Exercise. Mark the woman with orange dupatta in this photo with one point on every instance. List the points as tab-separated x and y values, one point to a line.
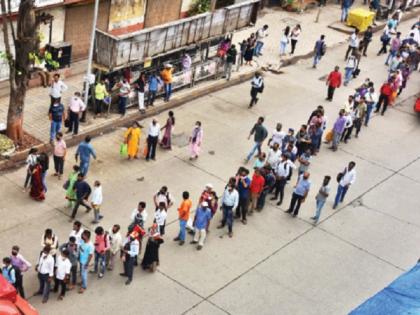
37	189
132	139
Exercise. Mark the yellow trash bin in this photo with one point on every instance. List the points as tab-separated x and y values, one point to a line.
360	18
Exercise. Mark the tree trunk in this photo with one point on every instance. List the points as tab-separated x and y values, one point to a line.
26	42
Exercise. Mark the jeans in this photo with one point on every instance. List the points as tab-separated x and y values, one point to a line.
319	205
129	266
358	125
74	122
317	59
168	91
344	14
228	217
261	199
295	204
151	147
391	55
283	47
58	164
369	108
122	105
257	146
339	197
258	46
55	127
254	94
60	283
84	167
182	227
99	106
73	274
84	275
99	260
44	285
200	236
228	70
347	74
336	139
316	139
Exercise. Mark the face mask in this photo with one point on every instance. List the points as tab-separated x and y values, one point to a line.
14	253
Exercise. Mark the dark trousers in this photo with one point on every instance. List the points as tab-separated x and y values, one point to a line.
358	125
349	50
227	217
242	208
44	285
280	184
60	284
383	99
293	43
73	274
19	285
76	207
129	266
254	99
122	105
151	98
347	134
58	164
261	199
99	105
27	178
383	48
151	147
330	93
363	47
74	122
295	204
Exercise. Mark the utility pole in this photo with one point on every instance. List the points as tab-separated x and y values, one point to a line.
90	57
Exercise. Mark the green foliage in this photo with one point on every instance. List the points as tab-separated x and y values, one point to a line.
6	144
199	6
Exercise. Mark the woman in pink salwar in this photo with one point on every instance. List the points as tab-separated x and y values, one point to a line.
195	141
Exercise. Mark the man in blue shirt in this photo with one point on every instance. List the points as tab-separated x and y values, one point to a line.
82	190
153	87
319	50
242	183
57	116
299	193
84	151
86	250
201	220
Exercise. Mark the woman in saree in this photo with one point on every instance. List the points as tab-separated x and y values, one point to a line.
165	143
132	139
195	140
37	188
68	186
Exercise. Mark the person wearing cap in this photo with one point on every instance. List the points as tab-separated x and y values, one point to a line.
166	75
201	220
130	252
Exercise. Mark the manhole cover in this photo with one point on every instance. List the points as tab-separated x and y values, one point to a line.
180	140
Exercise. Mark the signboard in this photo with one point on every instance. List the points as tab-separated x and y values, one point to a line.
14	4
181	79
205	70
125	13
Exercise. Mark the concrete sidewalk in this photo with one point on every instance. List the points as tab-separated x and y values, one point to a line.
37	101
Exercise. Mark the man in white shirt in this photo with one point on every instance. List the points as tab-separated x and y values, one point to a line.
353	43
371	100
152	139
282	172
76	108
257	86
273	157
230	201
116	245
45	269
160	217
346	178
57	88
62	273
278	136
261	34
77	231
131	251
139	215
123	93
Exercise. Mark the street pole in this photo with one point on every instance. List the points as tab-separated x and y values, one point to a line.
90	57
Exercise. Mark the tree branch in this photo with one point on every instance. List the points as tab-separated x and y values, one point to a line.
9	17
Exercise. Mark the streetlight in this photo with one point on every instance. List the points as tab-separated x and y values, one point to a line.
88	79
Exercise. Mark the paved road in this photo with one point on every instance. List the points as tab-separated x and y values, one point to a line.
275	264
